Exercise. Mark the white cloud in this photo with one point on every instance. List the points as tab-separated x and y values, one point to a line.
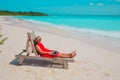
91	4
100	4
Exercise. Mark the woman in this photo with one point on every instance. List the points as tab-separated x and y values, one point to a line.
44	52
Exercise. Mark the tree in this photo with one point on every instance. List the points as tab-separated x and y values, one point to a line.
5	12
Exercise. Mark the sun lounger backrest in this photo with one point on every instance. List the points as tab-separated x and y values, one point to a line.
33	35
33	38
32	43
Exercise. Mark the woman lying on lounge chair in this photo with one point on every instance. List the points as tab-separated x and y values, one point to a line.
44	52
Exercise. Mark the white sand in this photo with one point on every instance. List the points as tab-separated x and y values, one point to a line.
91	63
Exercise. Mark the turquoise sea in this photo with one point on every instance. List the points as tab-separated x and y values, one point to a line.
108	26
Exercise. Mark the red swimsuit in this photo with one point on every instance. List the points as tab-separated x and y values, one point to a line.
46	50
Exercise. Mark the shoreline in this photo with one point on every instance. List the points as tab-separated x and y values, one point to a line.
91	62
109	33
105	42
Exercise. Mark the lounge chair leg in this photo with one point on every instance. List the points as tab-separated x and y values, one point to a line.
65	65
21	61
52	62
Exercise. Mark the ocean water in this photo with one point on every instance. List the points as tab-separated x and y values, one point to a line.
107	26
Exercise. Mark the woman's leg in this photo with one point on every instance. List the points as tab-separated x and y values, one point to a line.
70	55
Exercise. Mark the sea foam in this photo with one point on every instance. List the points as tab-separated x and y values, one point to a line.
104	33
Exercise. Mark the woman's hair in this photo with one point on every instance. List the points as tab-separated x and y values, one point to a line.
35	42
36	39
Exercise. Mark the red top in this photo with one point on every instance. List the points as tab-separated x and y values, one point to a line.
45	50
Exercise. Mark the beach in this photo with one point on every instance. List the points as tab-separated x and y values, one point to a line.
94	61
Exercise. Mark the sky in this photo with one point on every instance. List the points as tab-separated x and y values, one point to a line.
64	7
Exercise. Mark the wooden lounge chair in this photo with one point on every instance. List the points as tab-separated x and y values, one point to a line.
30	48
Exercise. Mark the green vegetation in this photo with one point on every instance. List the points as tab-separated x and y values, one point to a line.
11	13
3	39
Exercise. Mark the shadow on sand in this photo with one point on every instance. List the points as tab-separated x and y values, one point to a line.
36	63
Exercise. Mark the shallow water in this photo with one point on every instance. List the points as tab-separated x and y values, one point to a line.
107	26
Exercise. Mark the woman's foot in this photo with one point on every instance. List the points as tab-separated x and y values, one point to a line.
74	51
73	54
